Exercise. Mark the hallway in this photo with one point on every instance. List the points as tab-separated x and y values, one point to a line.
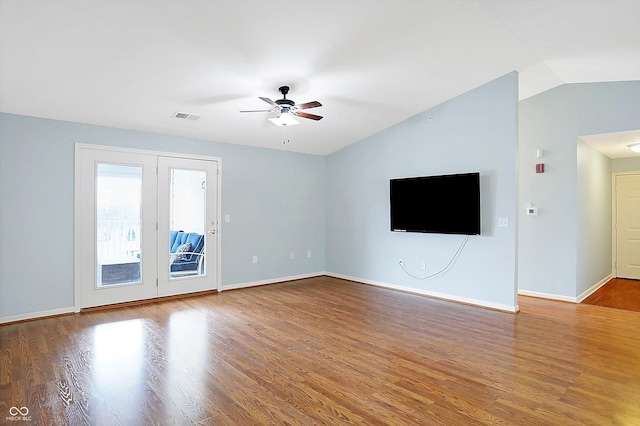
618	293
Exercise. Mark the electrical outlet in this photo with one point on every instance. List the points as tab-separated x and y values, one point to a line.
255	259
309	253
423	265
293	255
401	262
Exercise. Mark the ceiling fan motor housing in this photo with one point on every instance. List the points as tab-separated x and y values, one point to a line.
284	101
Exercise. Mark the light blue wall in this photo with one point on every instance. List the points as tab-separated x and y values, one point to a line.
275	200
553	121
594	218
282	202
476	131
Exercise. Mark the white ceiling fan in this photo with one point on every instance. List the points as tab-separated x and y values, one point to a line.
286	109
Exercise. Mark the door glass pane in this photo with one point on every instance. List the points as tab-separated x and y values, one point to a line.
187	196
118	201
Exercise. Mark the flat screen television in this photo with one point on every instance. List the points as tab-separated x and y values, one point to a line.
444	204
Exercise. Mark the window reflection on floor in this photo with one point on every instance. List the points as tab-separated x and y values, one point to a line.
187	350
118	355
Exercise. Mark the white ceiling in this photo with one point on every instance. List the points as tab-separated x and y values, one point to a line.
614	145
371	63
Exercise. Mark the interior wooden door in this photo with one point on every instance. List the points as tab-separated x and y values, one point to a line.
628	226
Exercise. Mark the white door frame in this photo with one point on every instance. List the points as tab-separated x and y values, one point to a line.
79	148
614	219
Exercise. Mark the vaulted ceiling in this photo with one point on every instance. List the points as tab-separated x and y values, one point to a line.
371	63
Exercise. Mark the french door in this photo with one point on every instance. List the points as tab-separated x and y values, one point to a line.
188	217
146	225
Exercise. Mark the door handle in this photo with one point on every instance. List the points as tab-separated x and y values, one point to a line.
213	231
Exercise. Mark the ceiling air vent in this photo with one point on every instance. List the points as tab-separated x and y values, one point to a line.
186	116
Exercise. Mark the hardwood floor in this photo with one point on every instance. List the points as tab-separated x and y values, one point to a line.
618	293
325	351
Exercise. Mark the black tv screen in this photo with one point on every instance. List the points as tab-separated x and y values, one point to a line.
445	204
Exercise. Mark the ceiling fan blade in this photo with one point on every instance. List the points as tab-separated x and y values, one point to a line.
260	110
306	115
269	101
308	105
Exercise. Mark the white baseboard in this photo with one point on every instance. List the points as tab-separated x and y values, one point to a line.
594	288
441	296
550	296
563	298
35	315
271	281
62	311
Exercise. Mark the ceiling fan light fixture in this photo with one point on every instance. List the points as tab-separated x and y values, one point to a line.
284	119
287	108
635	147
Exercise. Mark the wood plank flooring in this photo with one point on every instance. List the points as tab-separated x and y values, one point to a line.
619	293
324	351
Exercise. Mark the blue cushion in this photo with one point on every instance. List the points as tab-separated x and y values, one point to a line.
180	239
188	262
172	237
184	266
179	255
197	244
